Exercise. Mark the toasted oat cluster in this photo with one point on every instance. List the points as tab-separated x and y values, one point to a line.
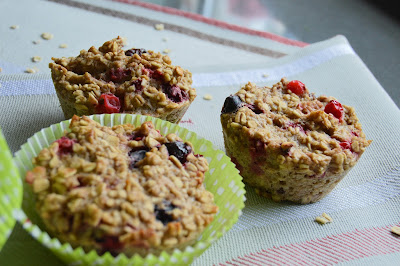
112	80
122	189
288	143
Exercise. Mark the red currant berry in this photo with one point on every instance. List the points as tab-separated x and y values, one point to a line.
65	145
109	242
297	87
335	108
108	104
120	75
345	145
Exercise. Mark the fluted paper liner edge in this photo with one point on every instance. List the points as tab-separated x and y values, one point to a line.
10	191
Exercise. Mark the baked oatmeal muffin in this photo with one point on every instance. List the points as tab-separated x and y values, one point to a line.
288	143
121	189
113	80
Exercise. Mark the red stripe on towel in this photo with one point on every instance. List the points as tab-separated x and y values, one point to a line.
328	250
214	22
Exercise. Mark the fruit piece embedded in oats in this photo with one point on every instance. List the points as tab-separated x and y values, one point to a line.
288	143
108	104
179	149
121	189
297	87
335	108
231	104
113	80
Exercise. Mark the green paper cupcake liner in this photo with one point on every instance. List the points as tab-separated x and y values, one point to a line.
10	191
223	180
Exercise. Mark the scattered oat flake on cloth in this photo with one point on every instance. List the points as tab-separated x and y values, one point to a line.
166	51
395	230
36	42
165	39
47	36
31	70
63	45
14	27
159	26
265	75
323	219
207	97
36	58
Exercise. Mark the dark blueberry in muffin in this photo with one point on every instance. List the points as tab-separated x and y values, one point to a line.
255	109
136	155
231	104
163	213
175	94
132	51
179	149
136	135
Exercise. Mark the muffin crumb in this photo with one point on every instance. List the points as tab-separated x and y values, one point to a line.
14	27
326	216
395	230
323	219
31	70
47	36
159	26
63	45
36	58
207	97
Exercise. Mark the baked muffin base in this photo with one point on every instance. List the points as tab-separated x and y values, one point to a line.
283	182
70	110
291	145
